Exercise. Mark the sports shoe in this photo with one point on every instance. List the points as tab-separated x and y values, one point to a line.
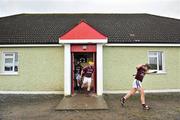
145	107
122	101
88	94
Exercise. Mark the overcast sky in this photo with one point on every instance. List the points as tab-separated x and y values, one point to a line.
170	8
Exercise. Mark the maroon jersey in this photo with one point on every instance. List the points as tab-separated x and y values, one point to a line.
140	74
88	71
78	69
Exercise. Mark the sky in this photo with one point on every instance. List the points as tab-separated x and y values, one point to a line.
168	8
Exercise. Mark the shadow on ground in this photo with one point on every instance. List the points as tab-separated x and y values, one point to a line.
165	106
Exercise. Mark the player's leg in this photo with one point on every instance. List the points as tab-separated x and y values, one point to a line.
82	86
135	86
129	94
141	91
88	83
89	86
84	82
77	78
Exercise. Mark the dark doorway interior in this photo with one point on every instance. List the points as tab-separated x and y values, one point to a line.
79	61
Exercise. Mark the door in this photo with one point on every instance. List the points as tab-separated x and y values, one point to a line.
82	59
82	53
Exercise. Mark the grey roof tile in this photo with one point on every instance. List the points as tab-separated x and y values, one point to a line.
119	28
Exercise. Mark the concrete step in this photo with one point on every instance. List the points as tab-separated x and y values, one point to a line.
82	102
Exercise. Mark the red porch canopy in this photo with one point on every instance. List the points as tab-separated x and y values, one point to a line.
83	33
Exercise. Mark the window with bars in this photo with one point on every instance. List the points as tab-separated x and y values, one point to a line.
10	62
156	60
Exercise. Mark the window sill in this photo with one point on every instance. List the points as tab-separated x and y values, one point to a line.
9	74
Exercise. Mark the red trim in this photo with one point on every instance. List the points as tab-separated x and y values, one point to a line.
83	48
72	75
94	77
83	31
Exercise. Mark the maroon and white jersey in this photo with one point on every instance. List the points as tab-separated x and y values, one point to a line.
140	74
88	71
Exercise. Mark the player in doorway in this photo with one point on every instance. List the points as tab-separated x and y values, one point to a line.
87	72
141	71
78	69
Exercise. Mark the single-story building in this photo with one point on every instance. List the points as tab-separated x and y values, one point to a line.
38	51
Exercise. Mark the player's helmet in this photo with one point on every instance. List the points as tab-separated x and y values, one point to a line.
91	63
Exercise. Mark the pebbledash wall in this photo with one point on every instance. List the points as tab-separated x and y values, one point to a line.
120	63
40	69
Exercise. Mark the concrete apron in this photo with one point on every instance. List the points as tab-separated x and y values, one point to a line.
82	102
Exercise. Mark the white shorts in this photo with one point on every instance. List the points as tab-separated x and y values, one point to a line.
137	84
87	80
78	77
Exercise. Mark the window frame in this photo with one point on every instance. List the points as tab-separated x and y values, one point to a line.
13	72
163	60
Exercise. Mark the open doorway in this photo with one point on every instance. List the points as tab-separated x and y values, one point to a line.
79	61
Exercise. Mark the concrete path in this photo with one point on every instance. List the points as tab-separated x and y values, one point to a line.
82	102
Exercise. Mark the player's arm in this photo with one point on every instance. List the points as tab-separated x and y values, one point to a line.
92	76
149	72
82	71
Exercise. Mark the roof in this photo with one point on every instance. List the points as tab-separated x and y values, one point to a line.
119	28
83	33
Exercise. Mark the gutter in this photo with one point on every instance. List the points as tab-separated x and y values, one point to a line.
31	45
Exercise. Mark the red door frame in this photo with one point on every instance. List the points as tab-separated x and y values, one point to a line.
91	48
94	83
72	73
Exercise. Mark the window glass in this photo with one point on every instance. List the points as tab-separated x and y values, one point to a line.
8	68
152	53
10	62
156	60
8	54
153	63
160	60
16	62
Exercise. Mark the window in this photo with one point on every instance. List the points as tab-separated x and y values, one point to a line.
156	60
10	62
